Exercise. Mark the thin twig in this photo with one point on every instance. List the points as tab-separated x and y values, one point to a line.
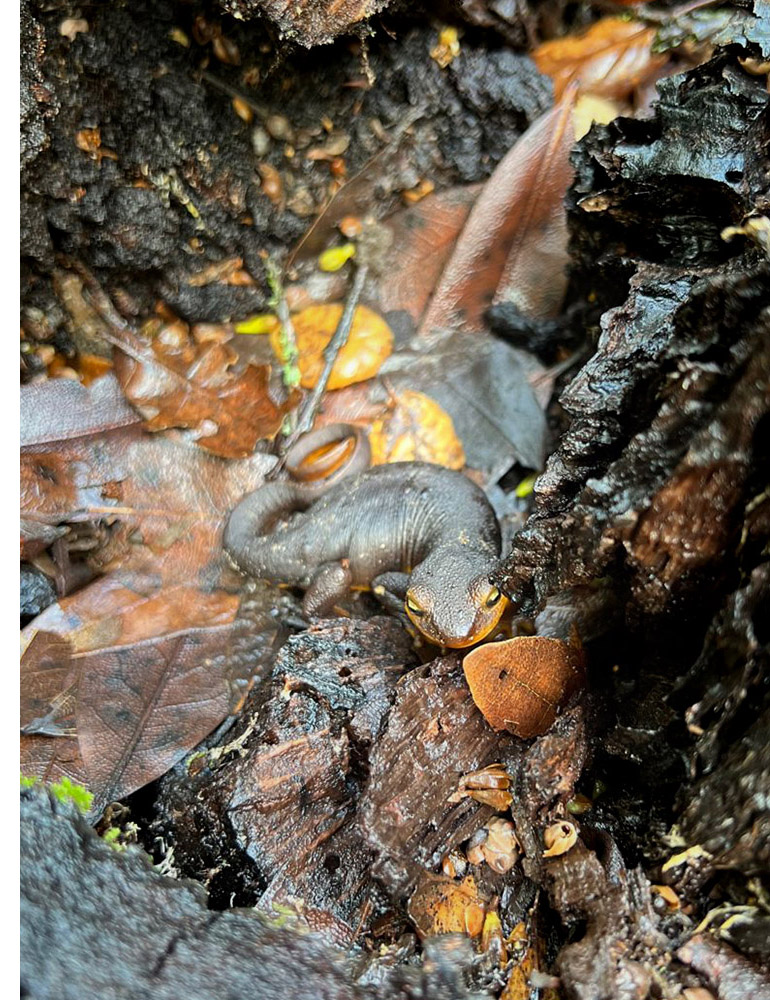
289	351
259	109
310	406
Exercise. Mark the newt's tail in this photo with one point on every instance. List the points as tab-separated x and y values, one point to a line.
248	538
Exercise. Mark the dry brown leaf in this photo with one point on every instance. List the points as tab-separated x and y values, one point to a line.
119	682
416	429
611	59
175	382
520	684
368	345
165	499
513	246
423	238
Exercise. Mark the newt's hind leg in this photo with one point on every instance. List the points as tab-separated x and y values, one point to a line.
330	584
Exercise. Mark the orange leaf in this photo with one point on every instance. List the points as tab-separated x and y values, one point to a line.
417	429
520	684
514	244
612	58
369	344
440	905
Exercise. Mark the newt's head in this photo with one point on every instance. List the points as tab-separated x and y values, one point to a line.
451	599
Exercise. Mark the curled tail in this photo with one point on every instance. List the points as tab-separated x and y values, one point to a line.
248	539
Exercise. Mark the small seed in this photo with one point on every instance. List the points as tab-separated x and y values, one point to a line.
279	128
242	109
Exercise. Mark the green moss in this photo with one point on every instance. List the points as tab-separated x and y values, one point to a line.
112	836
65	791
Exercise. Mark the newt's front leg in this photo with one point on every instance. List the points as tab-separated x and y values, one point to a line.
390	590
330	585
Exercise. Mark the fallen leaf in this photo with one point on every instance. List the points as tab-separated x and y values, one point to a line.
111	613
485	387
62	410
520	684
174	382
611	59
484	384
439	905
139	709
142	707
117	683
514	244
423	238
416	429
368	345
163	498
48	694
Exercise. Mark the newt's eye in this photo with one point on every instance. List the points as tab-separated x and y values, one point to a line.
492	597
413	608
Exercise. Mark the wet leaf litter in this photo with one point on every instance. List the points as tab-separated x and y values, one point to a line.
553	228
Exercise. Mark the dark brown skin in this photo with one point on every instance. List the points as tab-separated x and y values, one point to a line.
424	538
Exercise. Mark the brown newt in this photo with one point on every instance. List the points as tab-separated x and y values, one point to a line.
424	538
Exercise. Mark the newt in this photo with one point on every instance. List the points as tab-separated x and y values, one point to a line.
423	538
